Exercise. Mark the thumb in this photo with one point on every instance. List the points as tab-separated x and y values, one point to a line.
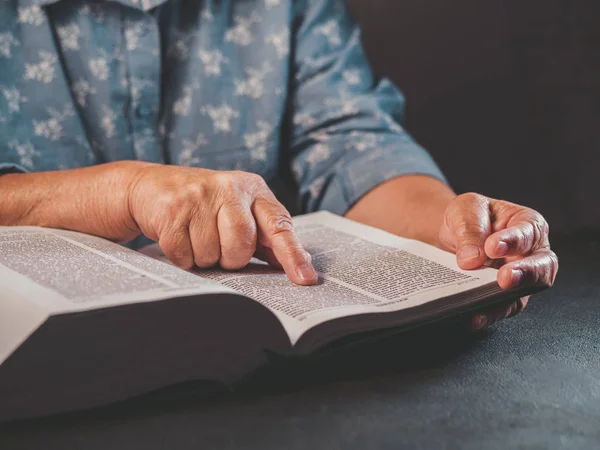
468	222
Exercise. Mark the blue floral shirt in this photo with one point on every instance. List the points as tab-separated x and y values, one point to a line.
277	87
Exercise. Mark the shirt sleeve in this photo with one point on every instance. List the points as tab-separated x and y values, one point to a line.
346	137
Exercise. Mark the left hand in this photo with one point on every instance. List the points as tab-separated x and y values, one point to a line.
514	238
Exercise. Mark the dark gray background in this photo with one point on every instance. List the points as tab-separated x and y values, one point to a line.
504	93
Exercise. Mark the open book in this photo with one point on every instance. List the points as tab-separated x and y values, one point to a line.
86	322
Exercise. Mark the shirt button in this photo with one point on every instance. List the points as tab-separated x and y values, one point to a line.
143	111
143	30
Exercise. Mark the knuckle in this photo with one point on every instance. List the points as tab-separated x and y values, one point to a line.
540	231
175	201
226	181
553	268
192	191
168	200
471	197
256	179
545	270
278	223
544	225
300	256
471	200
525	237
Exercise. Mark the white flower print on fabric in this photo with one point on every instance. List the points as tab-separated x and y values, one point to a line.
69	36
7	42
297	169
14	98
207	15
212	61
137	86
272	3
240	33
188	156
133	32
331	31
32	15
343	106
318	154
99	67
254	85
44	71
394	126
26	152
221	116
182	106
281	41
181	48
304	120
108	122
257	142
352	76
81	90
143	142
52	128
131	38
320	136
361	142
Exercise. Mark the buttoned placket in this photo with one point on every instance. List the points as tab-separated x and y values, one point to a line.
144	64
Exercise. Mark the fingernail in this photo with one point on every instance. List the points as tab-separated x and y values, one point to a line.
502	248
469	252
516	277
306	272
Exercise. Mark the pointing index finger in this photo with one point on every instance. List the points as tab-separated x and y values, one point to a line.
276	231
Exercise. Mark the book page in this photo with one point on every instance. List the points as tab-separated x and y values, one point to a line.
63	271
361	270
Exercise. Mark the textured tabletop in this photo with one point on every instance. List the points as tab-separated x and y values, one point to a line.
529	382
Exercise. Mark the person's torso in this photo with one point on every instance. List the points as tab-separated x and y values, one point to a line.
200	83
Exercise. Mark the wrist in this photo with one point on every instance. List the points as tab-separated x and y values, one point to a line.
92	200
111	199
411	206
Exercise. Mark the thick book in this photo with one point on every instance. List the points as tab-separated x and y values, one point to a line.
86	322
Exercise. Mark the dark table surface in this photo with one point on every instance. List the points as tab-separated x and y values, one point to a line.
529	382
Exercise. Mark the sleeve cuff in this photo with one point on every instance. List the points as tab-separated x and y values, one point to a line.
363	174
6	168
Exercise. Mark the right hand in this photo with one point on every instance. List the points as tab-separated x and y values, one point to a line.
204	218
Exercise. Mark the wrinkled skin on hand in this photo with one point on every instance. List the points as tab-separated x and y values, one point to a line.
514	239
204	218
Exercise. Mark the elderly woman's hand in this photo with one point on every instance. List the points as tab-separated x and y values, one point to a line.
204	217
481	230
